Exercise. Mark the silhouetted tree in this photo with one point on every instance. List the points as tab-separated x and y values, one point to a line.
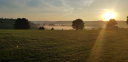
41	28
127	20
78	24
21	24
52	28
111	22
7	23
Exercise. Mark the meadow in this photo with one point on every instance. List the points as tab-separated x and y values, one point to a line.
63	46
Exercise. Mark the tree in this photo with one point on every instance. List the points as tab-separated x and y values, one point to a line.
44	24
111	22
78	24
7	23
127	20
52	28
41	28
21	24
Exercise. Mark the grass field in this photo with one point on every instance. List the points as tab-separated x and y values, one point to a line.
63	46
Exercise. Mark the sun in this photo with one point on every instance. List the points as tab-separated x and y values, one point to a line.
109	15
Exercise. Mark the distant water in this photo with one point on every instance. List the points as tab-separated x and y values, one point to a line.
88	24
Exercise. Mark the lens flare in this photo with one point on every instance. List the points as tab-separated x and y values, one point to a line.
109	16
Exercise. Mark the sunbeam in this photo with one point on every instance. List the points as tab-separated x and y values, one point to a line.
97	48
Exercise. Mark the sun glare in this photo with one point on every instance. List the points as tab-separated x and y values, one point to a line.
109	16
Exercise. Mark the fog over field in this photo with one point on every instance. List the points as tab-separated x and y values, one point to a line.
66	25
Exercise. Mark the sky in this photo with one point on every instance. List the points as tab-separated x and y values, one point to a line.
63	10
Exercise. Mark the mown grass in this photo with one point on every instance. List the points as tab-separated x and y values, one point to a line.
115	48
46	46
62	46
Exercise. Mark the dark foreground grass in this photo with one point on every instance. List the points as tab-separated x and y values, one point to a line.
46	46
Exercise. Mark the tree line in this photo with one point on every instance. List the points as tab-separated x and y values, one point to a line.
7	23
78	24
23	23
15	23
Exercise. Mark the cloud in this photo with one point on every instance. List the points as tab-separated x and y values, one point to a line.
18	3
68	6
88	2
63	7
